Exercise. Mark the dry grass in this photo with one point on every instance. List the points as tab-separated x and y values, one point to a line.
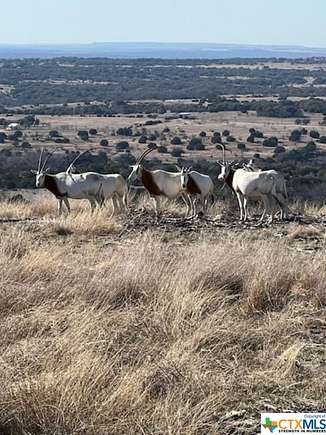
147	336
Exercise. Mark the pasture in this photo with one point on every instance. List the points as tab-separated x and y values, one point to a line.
127	325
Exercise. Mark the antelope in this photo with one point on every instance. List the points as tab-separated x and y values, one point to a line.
199	185
89	185
158	183
250	185
280	184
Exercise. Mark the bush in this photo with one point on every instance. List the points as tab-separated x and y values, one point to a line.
83	135
162	149
195	144
216	138
177	152
311	146
230	139
295	136
322	139
226	133
314	134
54	133
104	143
93	131
3	137
202	134
251	138
121	146
26	145
279	149
142	139
241	146
176	141
271	142
152	146
124	131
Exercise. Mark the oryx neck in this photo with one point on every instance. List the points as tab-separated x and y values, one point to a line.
51	184
229	178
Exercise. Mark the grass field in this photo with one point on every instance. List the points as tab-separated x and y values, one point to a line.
108	329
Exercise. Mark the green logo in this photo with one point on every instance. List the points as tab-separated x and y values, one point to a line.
269	424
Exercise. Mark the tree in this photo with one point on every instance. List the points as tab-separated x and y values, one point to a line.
26	145
251	138
230	139
252	130
241	146
152	146
104	143
124	131
226	133
202	134
216	138
93	131
162	149
295	136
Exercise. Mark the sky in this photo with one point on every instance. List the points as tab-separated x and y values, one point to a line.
276	22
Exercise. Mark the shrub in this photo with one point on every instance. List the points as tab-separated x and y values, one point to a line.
124	131
241	146
83	135
271	142
93	131
104	143
202	134
311	146
142	139
226	133
121	146
152	146
195	144
26	145
314	134
177	152
162	149
295	136
230	139
54	133
176	141
3	137
322	139
279	149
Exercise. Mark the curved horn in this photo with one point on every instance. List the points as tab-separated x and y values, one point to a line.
40	160
143	155
223	148
46	160
76	158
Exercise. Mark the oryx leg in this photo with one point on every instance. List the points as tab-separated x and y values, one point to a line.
125	201
240	202
157	205
188	201
60	200
92	202
65	200
266	202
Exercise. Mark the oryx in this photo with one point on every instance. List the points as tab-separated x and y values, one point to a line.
250	185
159	183
199	186
89	185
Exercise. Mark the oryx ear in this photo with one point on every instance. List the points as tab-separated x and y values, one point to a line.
33	171
46	170
218	162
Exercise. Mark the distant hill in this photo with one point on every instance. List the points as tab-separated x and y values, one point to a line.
159	50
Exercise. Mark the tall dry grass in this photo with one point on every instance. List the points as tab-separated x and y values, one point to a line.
149	337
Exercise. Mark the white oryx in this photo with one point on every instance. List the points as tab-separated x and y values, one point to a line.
94	187
159	183
280	185
199	187
250	185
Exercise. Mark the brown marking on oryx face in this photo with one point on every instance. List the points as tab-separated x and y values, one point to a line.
51	184
149	183
192	186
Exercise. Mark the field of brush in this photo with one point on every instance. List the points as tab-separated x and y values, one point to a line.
125	325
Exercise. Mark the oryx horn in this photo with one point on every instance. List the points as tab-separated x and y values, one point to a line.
223	148
143	155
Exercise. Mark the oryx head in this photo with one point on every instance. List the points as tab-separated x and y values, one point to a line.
41	170
225	166
137	167
185	177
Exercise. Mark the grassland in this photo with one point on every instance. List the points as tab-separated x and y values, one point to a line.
111	330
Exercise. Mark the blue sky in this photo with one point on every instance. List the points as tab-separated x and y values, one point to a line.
289	22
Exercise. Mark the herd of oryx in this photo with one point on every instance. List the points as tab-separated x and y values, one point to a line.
196	189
